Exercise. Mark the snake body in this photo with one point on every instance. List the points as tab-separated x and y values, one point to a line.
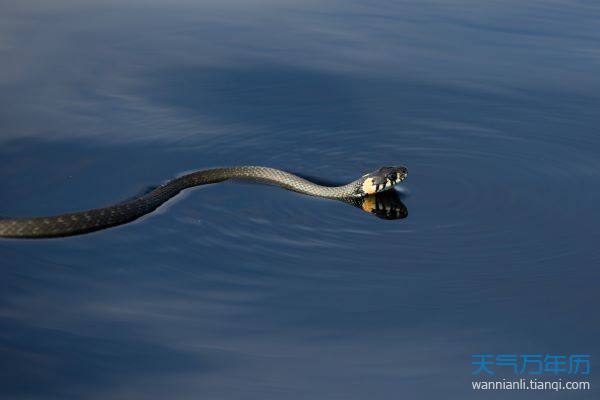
100	218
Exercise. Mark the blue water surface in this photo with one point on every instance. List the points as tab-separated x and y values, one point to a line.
243	291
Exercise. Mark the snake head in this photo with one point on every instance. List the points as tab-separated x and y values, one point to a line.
381	180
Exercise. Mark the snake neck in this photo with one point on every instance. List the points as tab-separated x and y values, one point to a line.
270	176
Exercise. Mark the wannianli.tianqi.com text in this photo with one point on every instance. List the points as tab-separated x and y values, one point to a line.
530	384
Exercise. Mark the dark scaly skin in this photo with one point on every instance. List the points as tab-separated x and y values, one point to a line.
100	218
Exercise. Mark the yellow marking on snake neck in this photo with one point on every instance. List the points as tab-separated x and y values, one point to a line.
368	187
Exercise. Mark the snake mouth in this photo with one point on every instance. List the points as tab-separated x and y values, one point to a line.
401	174
400	178
396	177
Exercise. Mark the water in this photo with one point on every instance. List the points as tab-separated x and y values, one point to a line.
245	291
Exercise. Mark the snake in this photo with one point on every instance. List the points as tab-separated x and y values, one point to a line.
77	223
